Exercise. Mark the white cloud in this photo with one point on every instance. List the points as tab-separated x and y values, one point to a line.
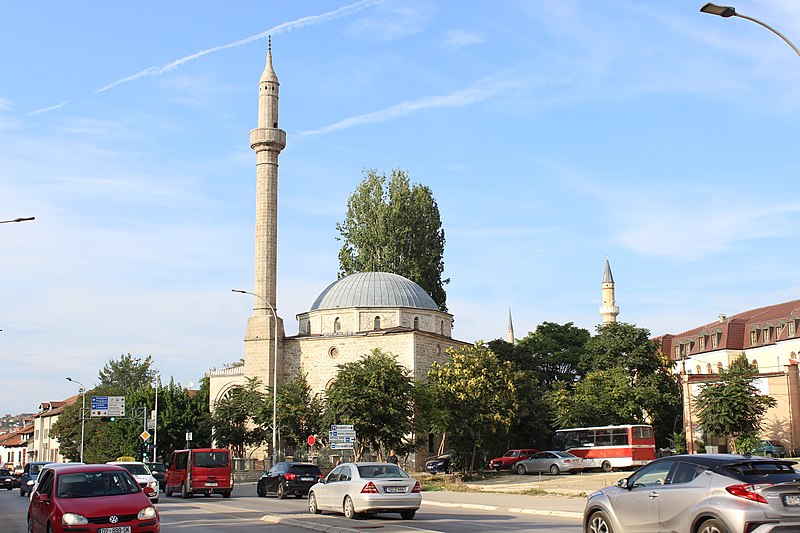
461	38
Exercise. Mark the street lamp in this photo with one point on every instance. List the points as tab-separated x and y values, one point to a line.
729	11
274	377
155	418
83	408
24	219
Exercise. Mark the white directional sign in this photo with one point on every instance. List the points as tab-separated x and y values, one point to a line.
342	427
343	439
345	433
116	406
341	445
99	406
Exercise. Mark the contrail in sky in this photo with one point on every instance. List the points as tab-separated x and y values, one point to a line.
50	108
280	28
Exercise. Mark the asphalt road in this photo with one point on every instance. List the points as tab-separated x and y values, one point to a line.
245	513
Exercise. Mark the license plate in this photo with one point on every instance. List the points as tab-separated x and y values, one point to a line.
395	489
306	479
211	484
791	500
118	529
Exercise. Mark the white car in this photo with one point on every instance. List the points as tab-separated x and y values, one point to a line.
141	474
355	488
42	469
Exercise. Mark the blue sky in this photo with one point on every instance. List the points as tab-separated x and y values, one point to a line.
552	134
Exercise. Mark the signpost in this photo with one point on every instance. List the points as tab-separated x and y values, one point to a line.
99	406
342	437
103	406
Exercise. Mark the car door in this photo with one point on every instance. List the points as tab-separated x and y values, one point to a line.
42	506
537	462
637	507
324	493
688	483
341	487
271	484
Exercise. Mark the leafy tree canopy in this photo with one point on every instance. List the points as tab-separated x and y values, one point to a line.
300	413
393	226
128	373
235	417
554	352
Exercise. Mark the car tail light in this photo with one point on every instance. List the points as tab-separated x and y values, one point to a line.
567	461
289	476
369	488
416	488
748	491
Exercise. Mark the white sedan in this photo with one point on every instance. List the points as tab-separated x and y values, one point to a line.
355	488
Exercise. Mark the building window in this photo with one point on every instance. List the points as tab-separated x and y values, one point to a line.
715	340
698	370
702	342
677	352
377	323
308	328
416	322
753	337
337	325
755	364
779	332
333	352
791	328
441	327
708	369
766	335
719	366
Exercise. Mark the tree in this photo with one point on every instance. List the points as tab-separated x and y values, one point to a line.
731	406
375	395
128	373
392	226
476	395
299	412
554	352
235	417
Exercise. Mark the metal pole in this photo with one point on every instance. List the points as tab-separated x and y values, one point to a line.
83	412
730	11
155	419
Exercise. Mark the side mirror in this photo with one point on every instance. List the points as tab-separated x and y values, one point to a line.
623	483
39	497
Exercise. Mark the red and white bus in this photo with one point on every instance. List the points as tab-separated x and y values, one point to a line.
609	447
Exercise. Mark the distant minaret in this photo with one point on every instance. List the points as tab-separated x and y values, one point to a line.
608	310
267	140
510	336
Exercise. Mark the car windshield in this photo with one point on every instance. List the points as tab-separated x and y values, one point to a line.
4	472
305	470
210	459
381	471
564	455
762	471
156	467
511	453
35	468
136	469
95	484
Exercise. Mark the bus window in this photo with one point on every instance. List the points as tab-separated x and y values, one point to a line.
619	437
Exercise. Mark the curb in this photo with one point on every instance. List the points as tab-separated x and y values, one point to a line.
562	514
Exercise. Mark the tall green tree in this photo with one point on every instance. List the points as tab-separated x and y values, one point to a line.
554	352
235	418
477	396
128	373
300	413
375	394
731	405
394	226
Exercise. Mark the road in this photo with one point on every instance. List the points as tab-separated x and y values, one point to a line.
246	513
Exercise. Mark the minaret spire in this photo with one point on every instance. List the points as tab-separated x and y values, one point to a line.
510	337
608	309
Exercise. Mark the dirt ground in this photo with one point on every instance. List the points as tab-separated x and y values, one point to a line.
566	484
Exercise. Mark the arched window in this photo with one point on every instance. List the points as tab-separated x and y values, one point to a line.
337	325
708	369
416	322
377	323
441	327
697	370
755	364
719	366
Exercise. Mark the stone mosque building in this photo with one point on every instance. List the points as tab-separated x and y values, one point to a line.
350	318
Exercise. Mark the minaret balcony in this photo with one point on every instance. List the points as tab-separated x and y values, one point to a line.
268	136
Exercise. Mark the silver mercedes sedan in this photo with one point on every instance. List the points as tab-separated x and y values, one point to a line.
554	462
700	494
355	488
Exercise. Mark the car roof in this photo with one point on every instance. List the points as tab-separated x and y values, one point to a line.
720	459
73	467
49	466
372	463
124	463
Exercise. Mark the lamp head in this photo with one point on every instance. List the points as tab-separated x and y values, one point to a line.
721	11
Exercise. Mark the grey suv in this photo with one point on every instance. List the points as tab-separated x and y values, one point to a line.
700	494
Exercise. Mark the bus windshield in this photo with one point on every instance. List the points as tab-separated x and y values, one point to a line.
210	459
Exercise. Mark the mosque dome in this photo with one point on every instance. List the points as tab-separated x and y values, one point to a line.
374	289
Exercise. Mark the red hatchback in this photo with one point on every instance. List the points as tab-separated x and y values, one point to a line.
510	458
92	498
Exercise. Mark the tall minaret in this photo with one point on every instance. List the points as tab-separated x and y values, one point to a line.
608	310
510	336
267	140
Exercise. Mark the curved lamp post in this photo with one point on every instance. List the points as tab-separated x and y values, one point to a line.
24	219
274	376
83	408
729	11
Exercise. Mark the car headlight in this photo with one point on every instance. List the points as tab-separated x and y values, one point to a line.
147	513
30	482
72	519
153	485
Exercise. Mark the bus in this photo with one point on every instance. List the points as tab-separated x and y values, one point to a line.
609	447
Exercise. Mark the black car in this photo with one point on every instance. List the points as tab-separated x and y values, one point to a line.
159	472
288	478
440	464
6	479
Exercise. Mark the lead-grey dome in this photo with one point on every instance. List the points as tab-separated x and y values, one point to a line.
374	289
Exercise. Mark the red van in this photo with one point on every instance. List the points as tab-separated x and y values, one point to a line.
200	471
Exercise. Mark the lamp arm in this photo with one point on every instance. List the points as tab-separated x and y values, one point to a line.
770	28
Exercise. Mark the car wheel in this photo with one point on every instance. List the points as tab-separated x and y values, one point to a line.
21	492
408	514
30	525
168	491
598	523
712	526
349	508
154	501
49	528
769	454
521	470
312	504
184	492
260	491
554	470
226	494
606	466
281	491
207	494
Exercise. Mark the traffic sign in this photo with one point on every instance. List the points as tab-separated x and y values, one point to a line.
311	440
342	439
144	435
116	405
341	445
342	427
99	406
343	433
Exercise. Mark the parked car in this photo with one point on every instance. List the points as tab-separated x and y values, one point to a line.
159	472
91	498
355	488
141	474
550	461
6	479
510	458
700	493
287	478
771	448
43	469
29	475
440	464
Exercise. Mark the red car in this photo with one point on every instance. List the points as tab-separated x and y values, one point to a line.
510	458
91	498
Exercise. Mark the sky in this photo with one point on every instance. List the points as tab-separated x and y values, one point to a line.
553	135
